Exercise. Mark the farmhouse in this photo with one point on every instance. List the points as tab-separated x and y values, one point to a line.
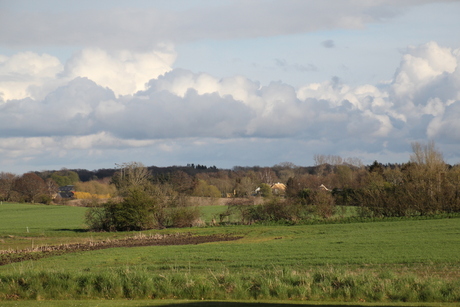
67	191
278	188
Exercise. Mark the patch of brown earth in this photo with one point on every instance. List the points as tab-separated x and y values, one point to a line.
11	256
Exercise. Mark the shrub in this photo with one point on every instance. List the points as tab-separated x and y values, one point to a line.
135	212
272	210
202	189
242	208
266	190
97	219
324	202
183	216
141	210
45	199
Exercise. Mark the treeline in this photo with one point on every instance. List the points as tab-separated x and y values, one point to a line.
85	175
191	180
27	188
43	187
424	185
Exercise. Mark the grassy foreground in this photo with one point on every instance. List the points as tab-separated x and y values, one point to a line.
399	261
189	303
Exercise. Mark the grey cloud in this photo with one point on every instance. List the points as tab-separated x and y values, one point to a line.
446	127
283	64
181	107
165	115
66	111
328	43
305	68
83	108
146	28
444	87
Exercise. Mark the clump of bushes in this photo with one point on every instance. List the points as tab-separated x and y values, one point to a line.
142	205
140	210
277	209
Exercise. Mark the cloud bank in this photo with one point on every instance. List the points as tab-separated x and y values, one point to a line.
113	106
143	28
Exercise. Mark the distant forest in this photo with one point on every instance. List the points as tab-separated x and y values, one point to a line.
424	185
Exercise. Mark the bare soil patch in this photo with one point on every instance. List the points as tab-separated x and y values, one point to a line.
11	256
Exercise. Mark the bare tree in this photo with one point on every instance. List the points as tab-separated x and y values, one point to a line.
426	176
132	174
51	187
182	182
354	161
6	185
427	155
245	186
30	186
267	175
320	159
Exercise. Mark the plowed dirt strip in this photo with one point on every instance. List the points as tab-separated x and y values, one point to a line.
10	256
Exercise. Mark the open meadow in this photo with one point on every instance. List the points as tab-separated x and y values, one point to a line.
383	262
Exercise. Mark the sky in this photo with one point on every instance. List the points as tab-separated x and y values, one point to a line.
91	84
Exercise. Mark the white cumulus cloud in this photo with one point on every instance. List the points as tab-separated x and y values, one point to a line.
125	72
180	111
21	73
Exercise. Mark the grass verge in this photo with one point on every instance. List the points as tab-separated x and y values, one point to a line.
323	284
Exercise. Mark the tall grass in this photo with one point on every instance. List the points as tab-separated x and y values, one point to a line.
323	284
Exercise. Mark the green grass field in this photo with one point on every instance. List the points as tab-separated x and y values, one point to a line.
408	243
212	212
39	219
269	262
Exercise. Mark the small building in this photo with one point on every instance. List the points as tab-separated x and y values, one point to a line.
67	191
278	188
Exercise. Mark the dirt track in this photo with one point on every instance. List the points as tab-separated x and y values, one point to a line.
7	257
